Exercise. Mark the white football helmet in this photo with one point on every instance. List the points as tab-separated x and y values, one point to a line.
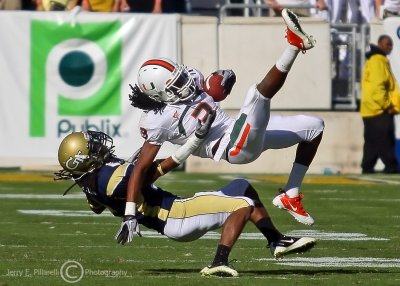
163	80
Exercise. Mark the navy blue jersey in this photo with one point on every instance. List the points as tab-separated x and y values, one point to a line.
108	186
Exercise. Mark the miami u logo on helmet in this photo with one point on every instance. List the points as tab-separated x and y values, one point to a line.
152	87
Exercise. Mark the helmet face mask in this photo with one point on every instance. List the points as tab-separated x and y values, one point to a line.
100	144
83	152
182	84
165	81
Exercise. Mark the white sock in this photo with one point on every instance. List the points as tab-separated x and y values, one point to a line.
295	180
287	58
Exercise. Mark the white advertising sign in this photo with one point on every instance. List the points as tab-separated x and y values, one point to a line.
62	73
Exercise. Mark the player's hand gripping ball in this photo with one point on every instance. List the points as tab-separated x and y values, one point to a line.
219	84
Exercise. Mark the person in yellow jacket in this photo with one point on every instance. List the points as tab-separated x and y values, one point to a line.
380	96
101	5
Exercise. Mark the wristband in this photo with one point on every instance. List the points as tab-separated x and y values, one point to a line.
130	208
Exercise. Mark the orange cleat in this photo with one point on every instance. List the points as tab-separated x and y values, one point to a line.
293	206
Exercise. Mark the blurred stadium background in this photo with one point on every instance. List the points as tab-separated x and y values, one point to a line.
66	71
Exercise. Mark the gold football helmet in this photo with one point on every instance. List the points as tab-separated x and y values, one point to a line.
83	152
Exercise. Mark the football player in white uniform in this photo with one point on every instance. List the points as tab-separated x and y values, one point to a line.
88	159
173	101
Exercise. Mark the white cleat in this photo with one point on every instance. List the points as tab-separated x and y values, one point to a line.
289	245
219	270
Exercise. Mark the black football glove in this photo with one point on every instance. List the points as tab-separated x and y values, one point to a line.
229	79
129	226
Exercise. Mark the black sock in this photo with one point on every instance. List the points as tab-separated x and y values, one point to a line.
221	256
268	229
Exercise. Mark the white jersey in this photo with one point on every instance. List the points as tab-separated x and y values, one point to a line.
243	138
177	122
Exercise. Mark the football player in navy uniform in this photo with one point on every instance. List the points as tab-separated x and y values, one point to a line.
88	159
172	97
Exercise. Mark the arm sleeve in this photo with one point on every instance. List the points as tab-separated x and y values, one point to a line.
184	151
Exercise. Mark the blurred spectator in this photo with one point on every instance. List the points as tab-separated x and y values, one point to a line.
338	11
368	11
352	11
388	8
28	4
321	10
101	5
346	56
138	6
55	5
154	6
10	4
380	96
244	11
277	6
236	12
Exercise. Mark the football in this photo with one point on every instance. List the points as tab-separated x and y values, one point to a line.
214	88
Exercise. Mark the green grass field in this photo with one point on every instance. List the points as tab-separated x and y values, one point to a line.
47	239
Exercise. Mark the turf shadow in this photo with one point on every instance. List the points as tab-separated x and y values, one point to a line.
297	272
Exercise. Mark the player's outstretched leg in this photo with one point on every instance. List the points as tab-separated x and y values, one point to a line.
289	198
298	40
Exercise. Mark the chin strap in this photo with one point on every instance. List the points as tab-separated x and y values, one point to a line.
70	188
65	175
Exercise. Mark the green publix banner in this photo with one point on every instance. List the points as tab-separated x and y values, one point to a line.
76	52
63	73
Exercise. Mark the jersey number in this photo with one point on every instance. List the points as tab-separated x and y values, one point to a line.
195	114
200	107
